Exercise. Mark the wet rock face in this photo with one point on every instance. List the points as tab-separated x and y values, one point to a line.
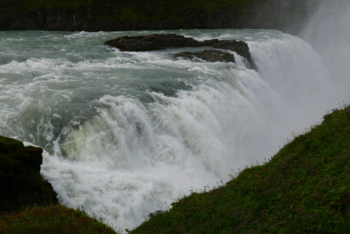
20	181
239	47
208	55
163	41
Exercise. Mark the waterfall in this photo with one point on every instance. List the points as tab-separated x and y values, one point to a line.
128	133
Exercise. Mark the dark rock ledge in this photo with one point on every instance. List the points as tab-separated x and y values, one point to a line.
163	41
207	55
20	181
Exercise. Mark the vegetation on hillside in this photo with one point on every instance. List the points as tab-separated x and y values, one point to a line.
304	188
51	220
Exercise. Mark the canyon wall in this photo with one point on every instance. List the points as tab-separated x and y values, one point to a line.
106	15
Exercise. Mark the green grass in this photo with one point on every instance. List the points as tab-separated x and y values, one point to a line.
304	188
51	219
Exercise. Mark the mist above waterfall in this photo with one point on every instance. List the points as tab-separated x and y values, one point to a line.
328	31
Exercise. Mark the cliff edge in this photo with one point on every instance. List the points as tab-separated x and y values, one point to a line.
20	180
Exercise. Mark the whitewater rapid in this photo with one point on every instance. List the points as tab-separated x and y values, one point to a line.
126	134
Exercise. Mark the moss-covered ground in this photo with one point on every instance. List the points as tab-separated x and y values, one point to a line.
304	188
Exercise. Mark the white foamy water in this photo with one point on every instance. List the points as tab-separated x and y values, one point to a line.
128	133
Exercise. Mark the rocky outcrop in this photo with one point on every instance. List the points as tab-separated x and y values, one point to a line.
154	42
163	41
207	55
20	181
239	47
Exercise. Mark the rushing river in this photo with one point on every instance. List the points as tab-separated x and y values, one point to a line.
129	133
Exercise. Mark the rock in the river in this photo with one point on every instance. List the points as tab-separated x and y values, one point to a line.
163	41
207	55
20	181
239	47
152	42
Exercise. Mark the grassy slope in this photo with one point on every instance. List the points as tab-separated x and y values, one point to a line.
51	219
304	188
